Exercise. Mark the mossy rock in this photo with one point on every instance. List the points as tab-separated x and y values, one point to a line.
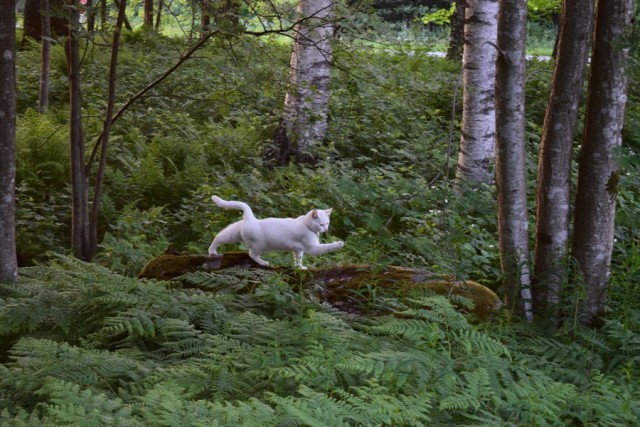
348	288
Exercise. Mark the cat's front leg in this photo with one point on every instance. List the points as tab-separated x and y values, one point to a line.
297	259
323	248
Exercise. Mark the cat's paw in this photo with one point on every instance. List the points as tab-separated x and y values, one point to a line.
340	244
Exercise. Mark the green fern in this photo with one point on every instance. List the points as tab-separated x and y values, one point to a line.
68	404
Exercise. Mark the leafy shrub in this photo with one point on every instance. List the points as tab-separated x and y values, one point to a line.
137	237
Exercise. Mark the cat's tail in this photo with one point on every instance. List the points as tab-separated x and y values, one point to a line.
247	213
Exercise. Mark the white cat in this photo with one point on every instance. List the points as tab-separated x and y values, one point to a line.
298	235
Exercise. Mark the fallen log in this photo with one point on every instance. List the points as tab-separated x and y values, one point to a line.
344	287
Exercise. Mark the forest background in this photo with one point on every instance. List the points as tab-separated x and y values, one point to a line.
88	343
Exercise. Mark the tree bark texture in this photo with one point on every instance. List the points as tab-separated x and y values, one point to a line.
456	38
32	24
8	259
477	144
106	130
510	153
556	150
79	184
598	173
307	99
148	13
43	95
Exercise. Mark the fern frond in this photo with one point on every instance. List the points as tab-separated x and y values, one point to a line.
68	404
471	341
38	360
134	322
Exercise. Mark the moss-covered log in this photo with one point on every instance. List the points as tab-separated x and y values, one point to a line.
344	287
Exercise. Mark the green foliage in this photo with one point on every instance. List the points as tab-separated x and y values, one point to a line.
90	347
440	16
543	9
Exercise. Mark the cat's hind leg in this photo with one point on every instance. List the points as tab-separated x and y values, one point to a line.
256	257
230	234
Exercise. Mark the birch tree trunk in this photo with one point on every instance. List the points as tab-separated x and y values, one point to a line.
307	99
598	173
510	153
554	163
477	144
8	260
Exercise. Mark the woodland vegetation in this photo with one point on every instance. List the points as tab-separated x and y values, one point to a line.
89	343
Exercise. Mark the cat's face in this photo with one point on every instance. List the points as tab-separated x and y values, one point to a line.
318	220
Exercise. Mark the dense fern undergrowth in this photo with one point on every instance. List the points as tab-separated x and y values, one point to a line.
88	344
85	346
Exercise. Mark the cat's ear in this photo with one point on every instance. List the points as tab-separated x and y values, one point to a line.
328	211
314	214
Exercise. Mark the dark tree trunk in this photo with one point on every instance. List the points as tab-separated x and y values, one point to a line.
43	96
148	13
127	24
598	173
8	259
159	14
104	141
79	184
456	39
104	14
513	225
32	25
556	150
205	18
91	16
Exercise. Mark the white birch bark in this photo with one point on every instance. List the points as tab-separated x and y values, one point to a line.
8	261
556	150
598	172
513	226
307	100
477	149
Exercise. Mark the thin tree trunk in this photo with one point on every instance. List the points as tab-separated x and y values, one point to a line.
307	100
79	184
556	148
598	173
127	24
8	259
43	97
104	14
205	18
510	153
456	39
159	14
91	16
104	142
477	143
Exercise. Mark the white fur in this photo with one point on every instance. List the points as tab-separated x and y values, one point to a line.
298	235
